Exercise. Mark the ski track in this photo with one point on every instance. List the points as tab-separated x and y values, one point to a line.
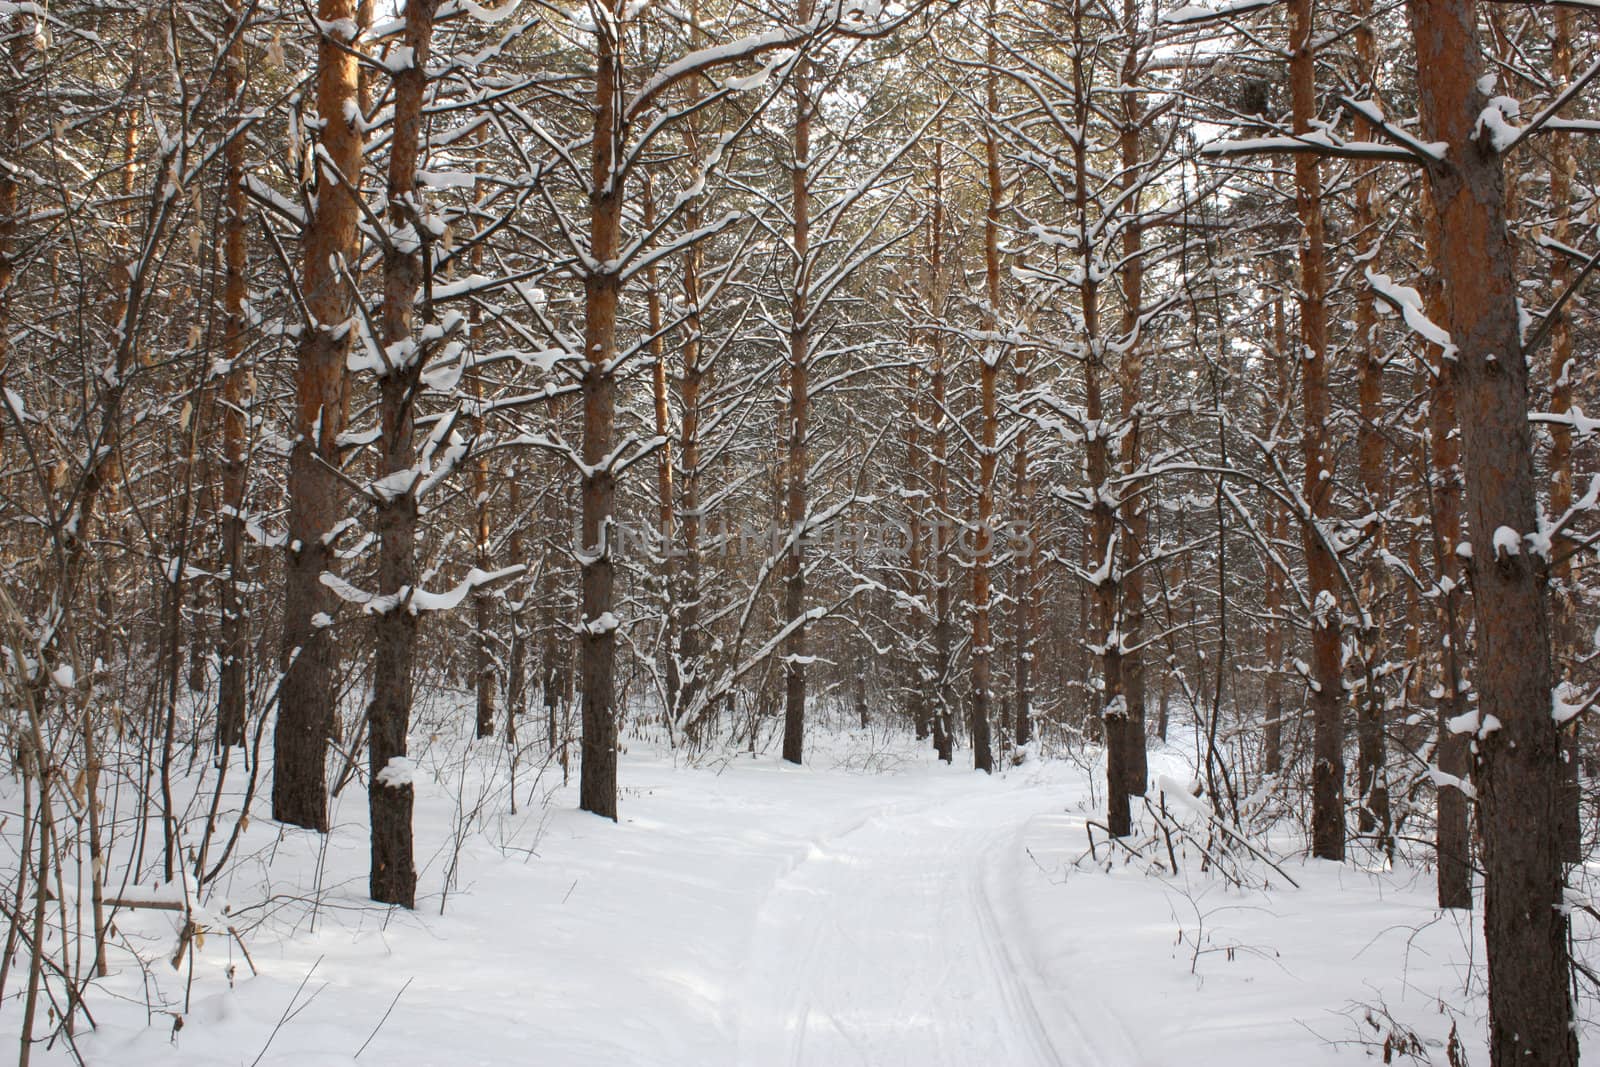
885	946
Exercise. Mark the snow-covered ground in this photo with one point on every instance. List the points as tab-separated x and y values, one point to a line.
870	908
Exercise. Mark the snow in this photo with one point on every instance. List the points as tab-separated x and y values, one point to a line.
14	402
1190	14
1507	542
1444	780
606	623
1409	303
421	600
398	773
1564	710
1497	119
872	907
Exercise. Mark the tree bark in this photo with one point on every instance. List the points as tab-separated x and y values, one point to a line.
990	354
1327	696
1564	601
389	790
483	613
666	516
916	696
1272	741
798	414
597	789
939	546
1519	773
1103	555
1453	836
231	646
1371	785
306	700
1133	518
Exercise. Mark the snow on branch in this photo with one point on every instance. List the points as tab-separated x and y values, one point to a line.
1317	142
1408	302
414	599
1195	15
1373	113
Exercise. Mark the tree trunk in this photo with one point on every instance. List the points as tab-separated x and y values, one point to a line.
551	672
1134	520
912	681
517	661
1453	836
1371	785
1564	616
306	701
988	432
389	790
665	512
794	586
1272	741
1103	561
1327	703
1519	774
597	790
231	646
686	601
1027	558
483	613
939	547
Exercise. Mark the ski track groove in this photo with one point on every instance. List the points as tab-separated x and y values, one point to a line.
911	878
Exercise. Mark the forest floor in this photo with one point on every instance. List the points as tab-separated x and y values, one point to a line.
874	907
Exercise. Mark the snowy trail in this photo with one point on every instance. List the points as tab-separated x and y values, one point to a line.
755	914
885	947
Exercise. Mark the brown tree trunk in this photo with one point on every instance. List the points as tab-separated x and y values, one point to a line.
389	790
1327	696
912	681
1103	562
665	512
483	666
231	645
597	790
1027	556
939	547
1519	773
990	354
306	699
686	601
684	608
483	671
1564	620
1371	784
551	666
798	414
1134	519
517	660
1272	742
1453	836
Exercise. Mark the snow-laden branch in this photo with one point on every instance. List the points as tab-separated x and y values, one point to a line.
414	599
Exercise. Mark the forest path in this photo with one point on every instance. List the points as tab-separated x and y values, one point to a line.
896	941
872	907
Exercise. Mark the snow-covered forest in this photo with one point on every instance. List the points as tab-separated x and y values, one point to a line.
799	531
